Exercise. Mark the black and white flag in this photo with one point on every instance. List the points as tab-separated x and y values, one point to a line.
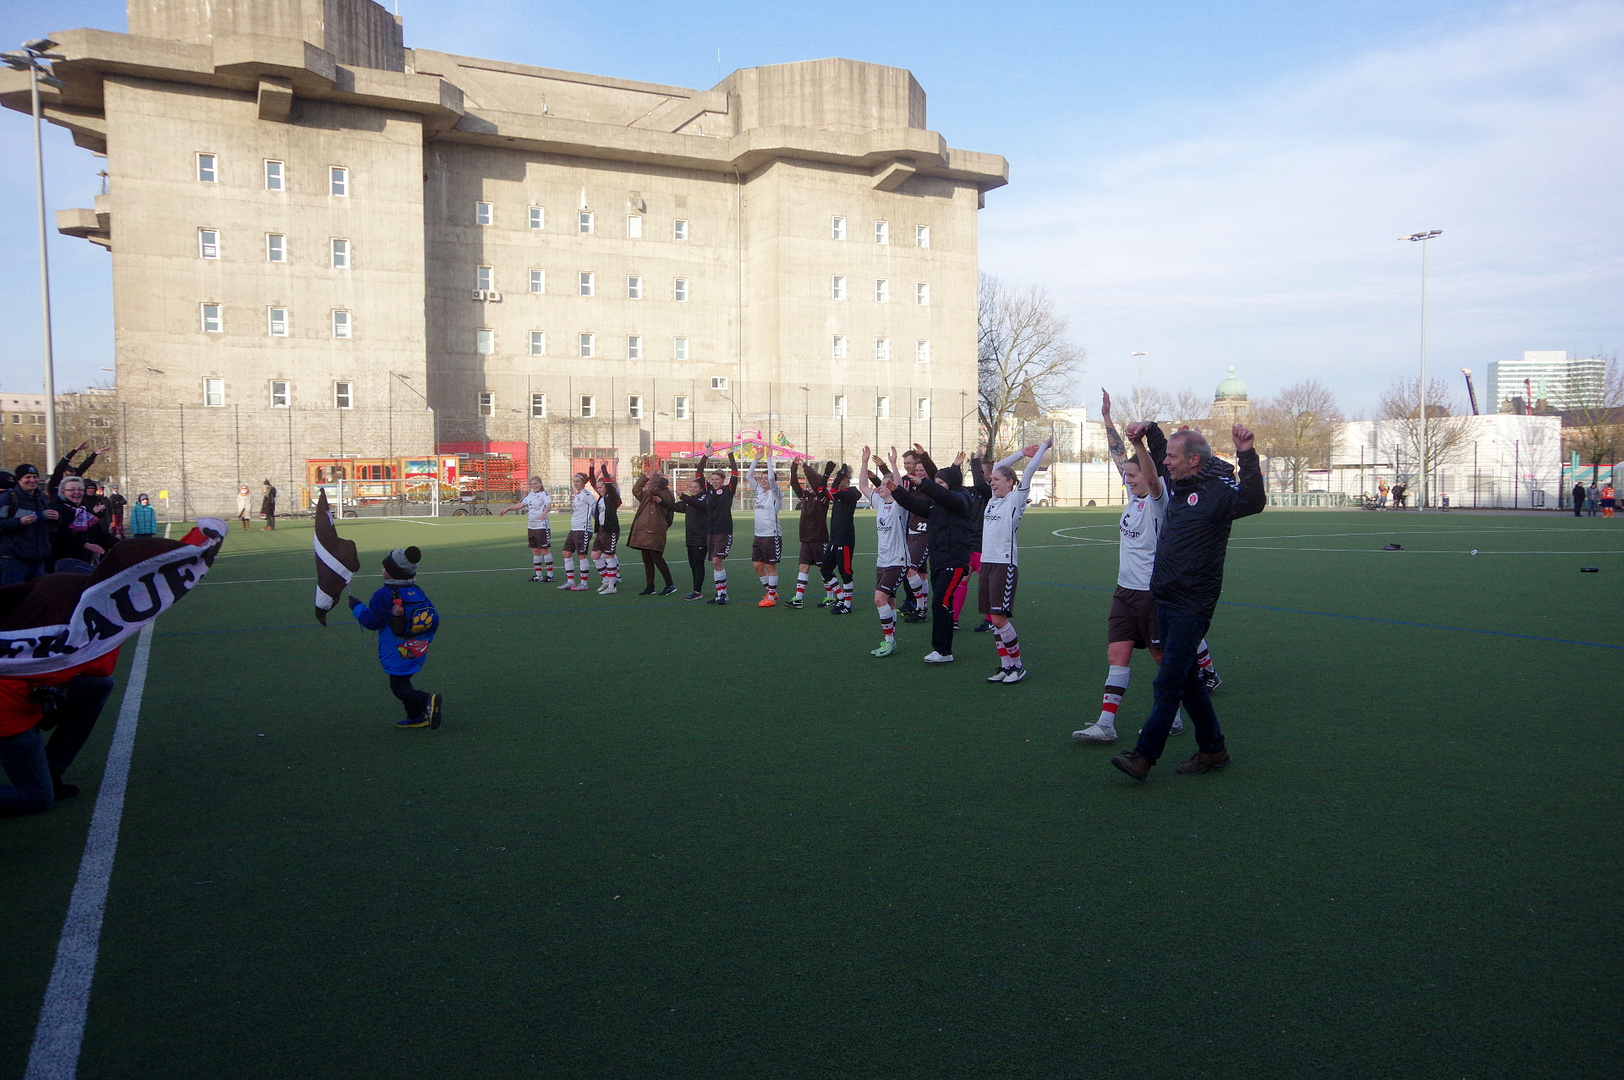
336	561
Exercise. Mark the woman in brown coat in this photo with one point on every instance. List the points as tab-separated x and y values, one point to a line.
654	502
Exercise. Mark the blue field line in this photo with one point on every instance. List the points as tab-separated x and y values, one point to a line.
1370	618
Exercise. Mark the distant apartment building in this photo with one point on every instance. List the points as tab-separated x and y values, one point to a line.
1550	376
326	244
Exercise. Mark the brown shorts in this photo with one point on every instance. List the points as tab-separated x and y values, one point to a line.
720	544
996	595
539	538
575	542
1132	618
767	549
811	554
606	541
888	578
917	543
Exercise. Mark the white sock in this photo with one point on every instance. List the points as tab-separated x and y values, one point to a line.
772	582
1116	685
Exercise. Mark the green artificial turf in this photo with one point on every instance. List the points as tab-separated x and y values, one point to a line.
662	839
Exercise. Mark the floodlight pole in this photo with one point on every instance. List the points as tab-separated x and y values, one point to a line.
1422	238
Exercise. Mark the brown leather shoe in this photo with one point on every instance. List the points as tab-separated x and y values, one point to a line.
1200	762
1134	764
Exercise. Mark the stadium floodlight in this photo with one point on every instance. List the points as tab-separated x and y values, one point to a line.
1422	238
35	59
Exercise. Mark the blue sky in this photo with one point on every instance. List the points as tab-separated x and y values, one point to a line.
1213	184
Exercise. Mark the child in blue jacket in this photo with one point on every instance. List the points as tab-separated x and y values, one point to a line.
405	622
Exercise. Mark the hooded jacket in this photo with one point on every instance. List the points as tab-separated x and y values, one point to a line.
951	515
1189	572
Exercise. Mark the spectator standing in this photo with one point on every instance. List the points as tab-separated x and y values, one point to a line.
143	518
1381	494
26	517
1578	499
1592	499
243	505
115	505
78	539
267	505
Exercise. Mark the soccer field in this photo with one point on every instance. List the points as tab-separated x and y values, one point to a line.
664	839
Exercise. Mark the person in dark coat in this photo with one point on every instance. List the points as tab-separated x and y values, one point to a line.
655	505
78	538
267	505
951	511
26	518
692	502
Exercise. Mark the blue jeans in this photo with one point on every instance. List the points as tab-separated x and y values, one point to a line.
23	758
29	762
15	571
1179	682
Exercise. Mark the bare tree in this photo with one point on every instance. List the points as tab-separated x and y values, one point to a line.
1190	408
1595	421
1142	402
1297	429
1027	362
1400	410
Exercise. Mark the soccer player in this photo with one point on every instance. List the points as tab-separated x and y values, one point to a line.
1186	583
576	540
719	523
918	589
891	527
537	505
605	530
1000	556
842	540
767	545
814	523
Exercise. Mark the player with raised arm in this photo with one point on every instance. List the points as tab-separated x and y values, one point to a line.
917	607
1000	556
767	545
537	505
891	529
842	541
605	530
814	531
719	522
578	539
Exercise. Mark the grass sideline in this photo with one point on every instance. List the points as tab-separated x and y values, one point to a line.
664	839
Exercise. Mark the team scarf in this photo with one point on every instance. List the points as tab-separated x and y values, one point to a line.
336	561
63	620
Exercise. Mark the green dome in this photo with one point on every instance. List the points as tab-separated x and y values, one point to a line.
1230	388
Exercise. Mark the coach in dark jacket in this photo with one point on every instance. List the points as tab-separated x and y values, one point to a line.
25	529
1189	575
950	515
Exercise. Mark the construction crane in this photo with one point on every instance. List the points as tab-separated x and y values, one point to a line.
1471	395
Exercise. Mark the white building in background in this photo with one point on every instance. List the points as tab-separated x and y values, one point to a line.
1076	437
1565	383
1504	460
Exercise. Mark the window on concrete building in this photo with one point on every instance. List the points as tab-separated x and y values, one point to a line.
538	281
484	341
208	169
341	323
586	345
584	222
679	348
343	395
679	229
482	213
538	406
922	408
214	392
487	403
837	287
922	236
589	406
341	254
839	350
338	181
538	217
211	318
208	243
276	176
634	347
922	351
634	288
280	396
679	290
882	408
882	291
882	348
634	407
588	282
840	406
882	232
922	293
276	247
538	343
837	228
634	227
484	278
679	407
278	320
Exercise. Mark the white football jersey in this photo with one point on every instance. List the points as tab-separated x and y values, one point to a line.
998	527
537	505
768	503
1142	522
891	525
581	510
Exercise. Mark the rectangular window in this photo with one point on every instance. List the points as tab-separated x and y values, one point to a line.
207	169
634	407
276	247
921	236
214	392
882	408
718	382
586	345
538	217
484	342
583	222
276	176
922	293
680	407
882	232
538	281
343	395
837	287
279	394
208	243
211	319
538	406
482	213
922	351
922	408
487	403
882	348
839	350
341	254
278	319
634	227
634	288
679	290
589	406
882	291
538	343
840	406
484	278
588	282
634	347
837	228
338	181
341	323
679	229
679	348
